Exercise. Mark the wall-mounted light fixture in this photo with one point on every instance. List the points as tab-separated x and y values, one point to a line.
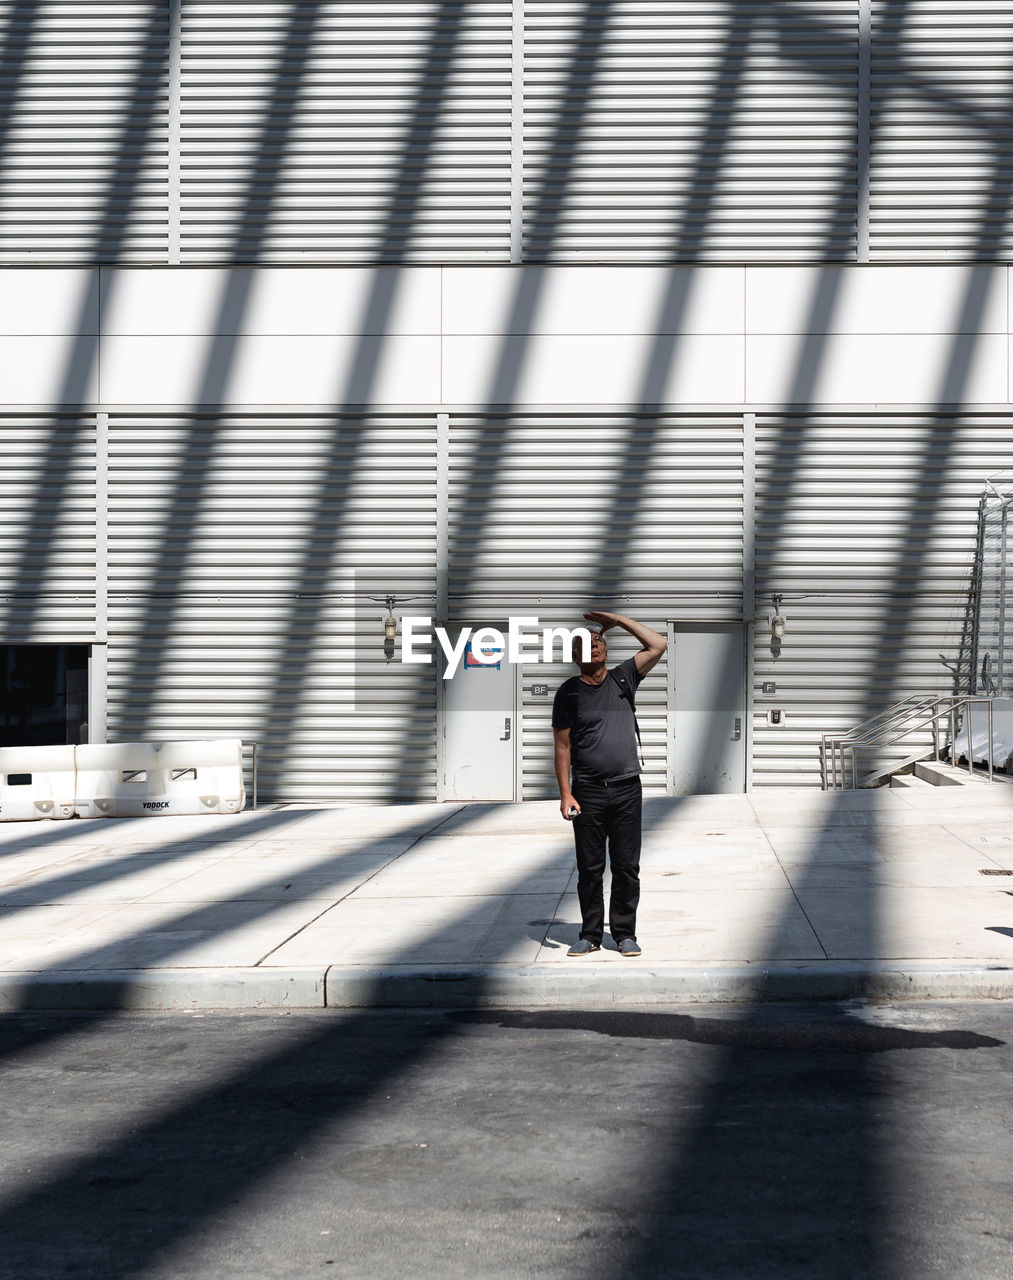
389	630
776	622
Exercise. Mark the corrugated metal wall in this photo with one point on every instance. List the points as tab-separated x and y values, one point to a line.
643	505
240	548
353	130
690	130
550	514
83	131
47	528
942	155
250	556
244	544
346	131
866	525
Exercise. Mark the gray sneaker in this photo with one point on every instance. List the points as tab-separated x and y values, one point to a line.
629	947
583	947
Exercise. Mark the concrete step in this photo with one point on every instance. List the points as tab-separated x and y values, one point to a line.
904	781
939	774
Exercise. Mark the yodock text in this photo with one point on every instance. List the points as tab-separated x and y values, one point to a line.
488	645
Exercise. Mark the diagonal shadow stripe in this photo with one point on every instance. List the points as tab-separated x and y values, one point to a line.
69	880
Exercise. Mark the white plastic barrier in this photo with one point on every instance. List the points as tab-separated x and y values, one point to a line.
36	782
1002	733
138	779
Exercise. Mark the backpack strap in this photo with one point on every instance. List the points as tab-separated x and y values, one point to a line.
626	692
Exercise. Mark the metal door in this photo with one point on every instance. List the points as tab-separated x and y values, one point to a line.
479	723
707	708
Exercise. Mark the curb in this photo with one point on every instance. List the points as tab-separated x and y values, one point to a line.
660	985
163	989
433	988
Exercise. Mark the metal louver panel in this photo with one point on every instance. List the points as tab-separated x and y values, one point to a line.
867	527
942	156
83	131
47	529
551	514
238	594
688	129
346	131
640	506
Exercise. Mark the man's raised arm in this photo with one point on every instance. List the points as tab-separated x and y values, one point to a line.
654	645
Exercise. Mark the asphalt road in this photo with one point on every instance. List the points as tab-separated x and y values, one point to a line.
709	1141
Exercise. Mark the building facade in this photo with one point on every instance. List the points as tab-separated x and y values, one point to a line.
321	312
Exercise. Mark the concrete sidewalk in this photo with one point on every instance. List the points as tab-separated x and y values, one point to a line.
783	894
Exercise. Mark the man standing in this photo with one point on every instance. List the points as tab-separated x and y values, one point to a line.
598	771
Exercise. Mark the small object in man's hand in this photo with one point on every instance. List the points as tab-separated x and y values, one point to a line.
573	811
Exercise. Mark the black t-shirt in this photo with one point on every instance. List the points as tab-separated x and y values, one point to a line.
600	717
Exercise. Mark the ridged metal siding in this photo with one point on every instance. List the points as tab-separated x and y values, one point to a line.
639	505
686	130
240	548
866	525
346	131
83	131
942	155
553	514
47	529
672	130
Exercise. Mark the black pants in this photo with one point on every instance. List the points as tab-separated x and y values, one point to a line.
609	813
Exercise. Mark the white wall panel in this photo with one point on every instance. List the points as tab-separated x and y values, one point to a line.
575	300
626	335
84	135
48	370
590	369
48	301
874	300
279	300
346	130
876	369
275	370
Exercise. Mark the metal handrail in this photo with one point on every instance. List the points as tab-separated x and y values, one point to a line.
916	702
917	709
927	715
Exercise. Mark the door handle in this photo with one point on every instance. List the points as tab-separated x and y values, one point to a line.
506	727
737	735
